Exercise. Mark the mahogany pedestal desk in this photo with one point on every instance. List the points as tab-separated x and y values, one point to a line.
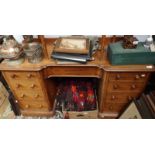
34	87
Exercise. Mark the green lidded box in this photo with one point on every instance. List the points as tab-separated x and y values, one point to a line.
117	55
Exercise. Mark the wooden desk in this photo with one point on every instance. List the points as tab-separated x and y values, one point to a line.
35	88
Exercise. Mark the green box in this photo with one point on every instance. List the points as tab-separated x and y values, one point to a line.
117	55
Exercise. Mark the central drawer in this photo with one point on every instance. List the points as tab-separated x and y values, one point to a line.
74	71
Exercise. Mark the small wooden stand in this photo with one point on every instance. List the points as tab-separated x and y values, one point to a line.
42	40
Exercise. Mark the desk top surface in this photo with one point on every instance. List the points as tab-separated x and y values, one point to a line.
100	61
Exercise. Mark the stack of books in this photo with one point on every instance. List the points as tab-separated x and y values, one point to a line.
73	49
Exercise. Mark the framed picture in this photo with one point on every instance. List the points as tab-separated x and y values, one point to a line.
72	45
131	112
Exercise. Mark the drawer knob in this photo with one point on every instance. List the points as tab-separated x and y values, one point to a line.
18	86
115	86
27	106
133	86
118	77
36	96
29	75
143	75
13	76
32	86
113	97
111	107
129	98
23	95
40	106
137	77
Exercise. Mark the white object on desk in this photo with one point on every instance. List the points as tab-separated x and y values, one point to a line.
152	47
19	38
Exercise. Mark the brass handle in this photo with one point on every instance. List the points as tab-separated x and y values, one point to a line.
113	97
137	77
13	76
22	96
115	86
29	75
118	77
133	86
27	106
36	96
32	86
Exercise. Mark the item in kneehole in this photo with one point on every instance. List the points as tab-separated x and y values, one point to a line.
66	115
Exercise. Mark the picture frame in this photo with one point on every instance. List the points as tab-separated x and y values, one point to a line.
72	45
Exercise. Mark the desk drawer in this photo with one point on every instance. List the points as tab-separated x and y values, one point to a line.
133	76
72	71
16	76
121	97
126	86
23	80
39	105
29	85
114	107
30	95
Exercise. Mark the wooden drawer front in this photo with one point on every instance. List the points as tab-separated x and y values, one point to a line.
114	107
39	106
23	80
72	71
120	97
26	76
30	95
28	85
126	86
140	76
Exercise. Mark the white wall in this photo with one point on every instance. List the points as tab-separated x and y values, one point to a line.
139	37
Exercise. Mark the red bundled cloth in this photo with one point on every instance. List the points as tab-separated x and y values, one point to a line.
77	95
